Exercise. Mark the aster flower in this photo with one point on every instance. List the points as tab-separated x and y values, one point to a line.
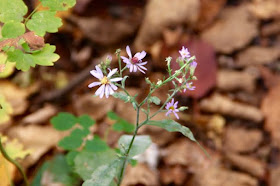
189	86
135	63
193	67
185	53
107	87
172	108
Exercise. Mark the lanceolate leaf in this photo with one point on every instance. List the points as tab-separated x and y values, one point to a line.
44	21
58	4
173	126
140	144
12	10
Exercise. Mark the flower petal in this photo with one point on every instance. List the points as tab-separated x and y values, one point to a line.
141	55
100	91
128	51
112	72
116	79
94	84
114	87
96	74
107	91
176	115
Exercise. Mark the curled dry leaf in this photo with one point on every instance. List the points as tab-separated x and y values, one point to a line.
140	174
209	9
224	105
265	9
230	80
271	111
162	13
257	55
233	30
242	140
217	176
248	164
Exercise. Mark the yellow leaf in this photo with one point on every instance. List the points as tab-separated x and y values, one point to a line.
5	110
7	171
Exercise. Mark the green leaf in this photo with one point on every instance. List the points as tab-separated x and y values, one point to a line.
96	145
103	175
74	140
140	144
123	125
46	56
12	10
63	121
173	126
122	96
12	29
59	171
86	121
112	115
23	61
154	100
58	4
86	162
44	21
70	156
5	110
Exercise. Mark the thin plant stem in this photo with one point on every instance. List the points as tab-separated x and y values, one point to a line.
31	14
8	158
129	148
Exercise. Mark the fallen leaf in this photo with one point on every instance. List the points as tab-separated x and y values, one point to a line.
233	30
265	9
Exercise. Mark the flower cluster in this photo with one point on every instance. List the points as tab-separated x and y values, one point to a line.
108	84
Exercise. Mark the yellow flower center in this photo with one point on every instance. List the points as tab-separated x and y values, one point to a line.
104	80
171	108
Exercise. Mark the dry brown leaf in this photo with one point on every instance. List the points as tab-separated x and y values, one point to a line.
42	115
161	14
257	55
36	138
176	174
217	176
94	106
271	28
7	171
233	30
242	140
265	9
224	105
230	80
271	110
140	174
274	177
209	9
247	163
270	79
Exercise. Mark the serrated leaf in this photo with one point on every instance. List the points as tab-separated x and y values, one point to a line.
112	115
63	121
12	10
86	121
122	96
58	4
16	150
46	56
140	144
154	100
74	140
173	126
103	175
86	162
70	156
5	110
12	29
44	21
96	145
23	61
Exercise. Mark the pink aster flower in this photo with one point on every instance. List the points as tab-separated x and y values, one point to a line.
185	53
189	86
135	63
107	87
172	107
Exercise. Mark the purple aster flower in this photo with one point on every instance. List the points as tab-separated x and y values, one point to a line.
135	63
172	107
193	67
189	86
107	87
185	53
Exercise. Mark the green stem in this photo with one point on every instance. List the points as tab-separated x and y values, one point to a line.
129	148
8	158
28	17
120	64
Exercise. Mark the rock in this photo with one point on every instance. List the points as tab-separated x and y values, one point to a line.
257	55
234	29
242	140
